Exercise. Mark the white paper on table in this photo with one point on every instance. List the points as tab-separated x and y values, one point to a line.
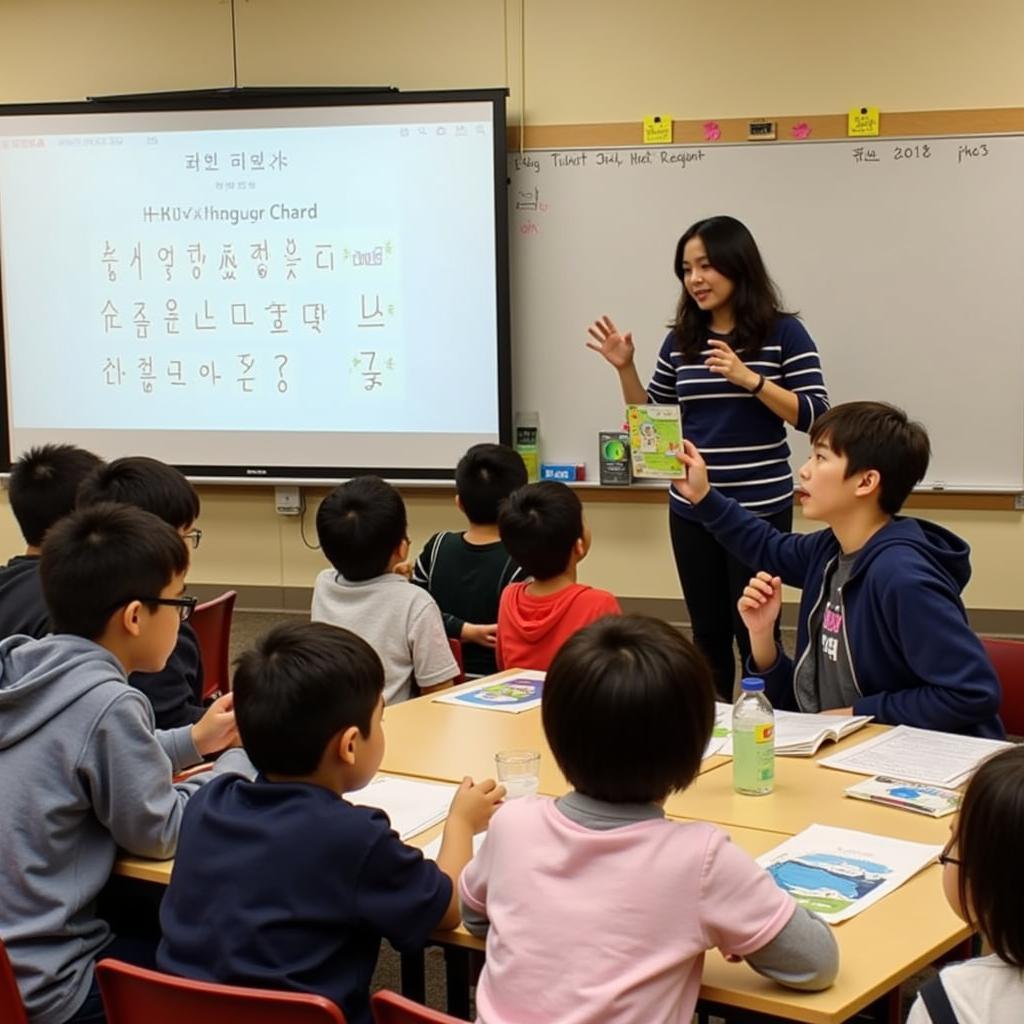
920	755
837	872
433	848
412	805
513	695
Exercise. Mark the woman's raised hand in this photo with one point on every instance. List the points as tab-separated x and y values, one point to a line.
617	348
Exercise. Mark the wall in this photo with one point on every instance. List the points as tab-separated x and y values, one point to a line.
585	61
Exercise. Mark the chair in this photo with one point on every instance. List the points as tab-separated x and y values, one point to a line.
133	994
456	646
1007	657
390	1008
12	1009
212	624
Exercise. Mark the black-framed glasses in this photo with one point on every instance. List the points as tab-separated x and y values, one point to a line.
185	605
193	536
946	858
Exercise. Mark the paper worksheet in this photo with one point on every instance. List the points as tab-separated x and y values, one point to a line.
921	755
433	848
837	872
412	805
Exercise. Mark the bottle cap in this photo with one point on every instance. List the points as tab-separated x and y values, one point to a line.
752	684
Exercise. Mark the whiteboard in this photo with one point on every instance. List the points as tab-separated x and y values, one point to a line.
907	269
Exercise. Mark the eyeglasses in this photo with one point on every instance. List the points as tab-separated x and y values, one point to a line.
945	858
193	536
185	605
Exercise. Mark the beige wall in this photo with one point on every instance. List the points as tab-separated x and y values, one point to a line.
585	61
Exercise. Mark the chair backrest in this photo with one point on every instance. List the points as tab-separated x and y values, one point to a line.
12	1009
212	623
456	646
133	995
390	1008
1007	657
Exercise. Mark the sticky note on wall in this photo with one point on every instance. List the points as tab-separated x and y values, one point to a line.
657	130
862	121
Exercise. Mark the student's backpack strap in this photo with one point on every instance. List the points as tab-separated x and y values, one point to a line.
936	1001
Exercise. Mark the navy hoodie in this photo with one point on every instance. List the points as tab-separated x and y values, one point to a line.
915	659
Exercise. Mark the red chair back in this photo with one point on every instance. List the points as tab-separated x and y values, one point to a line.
212	623
134	995
12	1009
1007	657
390	1008
456	646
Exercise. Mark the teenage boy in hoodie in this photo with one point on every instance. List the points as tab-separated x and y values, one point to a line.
882	628
176	691
543	529
84	772
41	491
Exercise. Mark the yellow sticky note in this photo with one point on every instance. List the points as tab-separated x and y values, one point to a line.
862	121
657	130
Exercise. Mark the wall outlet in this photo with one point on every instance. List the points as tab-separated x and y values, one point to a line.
287	501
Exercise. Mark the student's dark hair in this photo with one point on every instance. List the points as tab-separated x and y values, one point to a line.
875	435
43	485
756	303
360	523
100	558
301	684
485	476
628	708
539	524
146	483
990	842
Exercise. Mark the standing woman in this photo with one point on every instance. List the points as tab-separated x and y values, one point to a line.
741	369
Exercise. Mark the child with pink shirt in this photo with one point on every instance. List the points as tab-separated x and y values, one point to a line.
595	906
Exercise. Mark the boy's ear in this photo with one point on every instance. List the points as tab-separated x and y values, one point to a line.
868	482
128	618
345	743
458	504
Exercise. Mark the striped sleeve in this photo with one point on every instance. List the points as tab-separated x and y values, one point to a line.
662	387
802	373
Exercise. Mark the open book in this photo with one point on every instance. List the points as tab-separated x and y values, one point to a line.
796	734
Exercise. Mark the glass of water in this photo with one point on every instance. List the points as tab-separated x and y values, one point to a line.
518	771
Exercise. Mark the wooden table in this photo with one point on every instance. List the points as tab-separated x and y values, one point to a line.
879	948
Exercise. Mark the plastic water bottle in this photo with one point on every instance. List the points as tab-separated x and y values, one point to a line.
753	740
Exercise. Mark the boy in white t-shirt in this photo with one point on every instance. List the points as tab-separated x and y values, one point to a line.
595	906
362	528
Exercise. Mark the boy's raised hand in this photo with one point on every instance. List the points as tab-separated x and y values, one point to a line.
760	603
216	730
475	802
694	487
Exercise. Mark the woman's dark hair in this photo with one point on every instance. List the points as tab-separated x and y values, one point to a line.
756	304
628	708
990	841
300	685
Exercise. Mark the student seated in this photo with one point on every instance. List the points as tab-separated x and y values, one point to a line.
364	534
84	770
882	628
543	528
466	572
314	880
981	882
595	906
176	692
41	490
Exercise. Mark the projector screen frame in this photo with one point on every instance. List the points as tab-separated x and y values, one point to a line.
268	97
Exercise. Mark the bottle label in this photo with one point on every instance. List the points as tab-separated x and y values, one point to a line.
764	733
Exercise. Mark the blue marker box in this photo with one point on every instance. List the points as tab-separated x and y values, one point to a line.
566	472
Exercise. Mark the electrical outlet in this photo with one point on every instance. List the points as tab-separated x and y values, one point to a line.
287	501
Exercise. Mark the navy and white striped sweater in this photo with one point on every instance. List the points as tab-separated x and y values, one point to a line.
741	439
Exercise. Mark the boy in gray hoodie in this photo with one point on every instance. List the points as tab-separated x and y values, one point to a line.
84	770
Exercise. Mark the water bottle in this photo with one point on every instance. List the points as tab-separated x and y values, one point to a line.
753	740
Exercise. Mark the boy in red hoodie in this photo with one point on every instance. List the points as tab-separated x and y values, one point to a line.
542	528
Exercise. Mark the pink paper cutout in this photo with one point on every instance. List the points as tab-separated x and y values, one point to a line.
801	130
712	131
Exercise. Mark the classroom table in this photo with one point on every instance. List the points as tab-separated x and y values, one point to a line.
879	948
